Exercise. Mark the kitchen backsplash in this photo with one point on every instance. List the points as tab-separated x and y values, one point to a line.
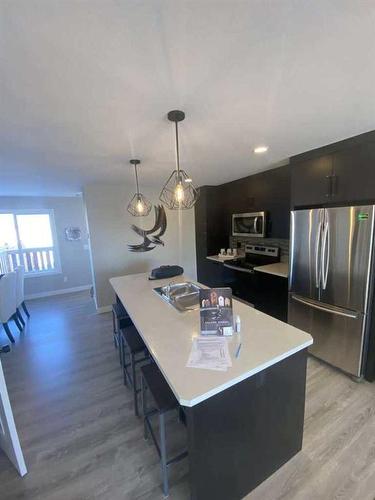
272	242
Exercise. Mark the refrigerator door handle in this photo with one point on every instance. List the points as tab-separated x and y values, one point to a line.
322	255
325	250
325	308
317	251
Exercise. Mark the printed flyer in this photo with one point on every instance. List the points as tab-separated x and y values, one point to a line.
216	311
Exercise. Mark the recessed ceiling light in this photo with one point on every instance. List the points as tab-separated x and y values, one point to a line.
260	149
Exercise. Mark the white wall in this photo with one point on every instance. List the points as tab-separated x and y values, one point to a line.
110	232
75	262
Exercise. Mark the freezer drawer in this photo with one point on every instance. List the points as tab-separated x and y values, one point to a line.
337	332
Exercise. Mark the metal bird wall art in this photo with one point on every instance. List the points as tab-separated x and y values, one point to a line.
151	237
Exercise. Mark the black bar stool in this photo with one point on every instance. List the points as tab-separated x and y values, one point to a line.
165	401
120	319
132	345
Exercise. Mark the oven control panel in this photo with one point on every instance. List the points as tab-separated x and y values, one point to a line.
262	250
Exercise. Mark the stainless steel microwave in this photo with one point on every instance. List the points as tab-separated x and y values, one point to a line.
251	224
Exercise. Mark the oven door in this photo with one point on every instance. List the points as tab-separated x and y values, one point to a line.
251	224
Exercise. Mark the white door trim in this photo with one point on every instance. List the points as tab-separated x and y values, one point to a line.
9	440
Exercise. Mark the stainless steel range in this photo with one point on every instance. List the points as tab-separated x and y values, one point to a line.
255	255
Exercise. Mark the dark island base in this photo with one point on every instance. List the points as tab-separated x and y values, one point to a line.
241	436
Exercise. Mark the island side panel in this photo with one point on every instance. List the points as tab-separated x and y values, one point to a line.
241	436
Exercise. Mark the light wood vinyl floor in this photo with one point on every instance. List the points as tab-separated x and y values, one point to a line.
81	439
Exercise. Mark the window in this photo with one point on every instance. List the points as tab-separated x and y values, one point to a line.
29	238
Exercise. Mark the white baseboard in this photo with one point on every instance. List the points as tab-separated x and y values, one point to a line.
105	309
57	292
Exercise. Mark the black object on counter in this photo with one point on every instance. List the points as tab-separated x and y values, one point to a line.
163	272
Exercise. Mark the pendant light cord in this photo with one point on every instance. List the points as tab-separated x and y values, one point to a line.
177	152
136	178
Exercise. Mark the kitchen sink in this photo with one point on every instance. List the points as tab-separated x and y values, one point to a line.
182	296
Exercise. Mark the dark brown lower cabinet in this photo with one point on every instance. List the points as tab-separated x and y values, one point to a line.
210	273
266	292
272	295
239	437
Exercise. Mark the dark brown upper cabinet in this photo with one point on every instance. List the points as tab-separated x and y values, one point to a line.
267	191
353	176
338	174
312	181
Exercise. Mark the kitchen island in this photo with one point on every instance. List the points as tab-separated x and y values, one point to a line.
244	423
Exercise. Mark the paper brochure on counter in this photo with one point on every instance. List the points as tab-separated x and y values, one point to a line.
216	311
210	353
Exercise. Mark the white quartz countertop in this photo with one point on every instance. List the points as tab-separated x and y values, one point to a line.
278	269
168	335
223	258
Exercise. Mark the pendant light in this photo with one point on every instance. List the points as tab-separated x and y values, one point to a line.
178	192
139	204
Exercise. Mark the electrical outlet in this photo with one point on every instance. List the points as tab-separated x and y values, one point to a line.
65	279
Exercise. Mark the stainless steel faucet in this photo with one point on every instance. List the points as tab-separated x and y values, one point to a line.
168	289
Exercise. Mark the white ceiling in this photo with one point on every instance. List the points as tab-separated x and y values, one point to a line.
86	85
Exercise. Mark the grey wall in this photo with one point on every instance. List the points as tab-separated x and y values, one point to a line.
68	211
109	227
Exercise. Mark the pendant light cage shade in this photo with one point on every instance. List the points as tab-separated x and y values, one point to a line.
139	205
179	192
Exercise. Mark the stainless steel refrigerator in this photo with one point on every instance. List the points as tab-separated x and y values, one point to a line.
330	281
